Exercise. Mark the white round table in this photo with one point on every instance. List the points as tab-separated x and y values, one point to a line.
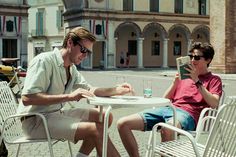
121	102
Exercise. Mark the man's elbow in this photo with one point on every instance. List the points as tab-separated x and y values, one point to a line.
25	100
215	105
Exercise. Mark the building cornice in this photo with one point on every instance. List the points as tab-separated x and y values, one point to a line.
14	10
138	16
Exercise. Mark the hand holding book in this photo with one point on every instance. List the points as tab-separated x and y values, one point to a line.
182	64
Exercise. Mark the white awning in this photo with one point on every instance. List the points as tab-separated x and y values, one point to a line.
39	44
57	44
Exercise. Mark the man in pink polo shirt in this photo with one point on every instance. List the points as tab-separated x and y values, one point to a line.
189	96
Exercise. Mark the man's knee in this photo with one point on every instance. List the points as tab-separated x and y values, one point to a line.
133	122
166	135
166	132
121	123
110	120
93	130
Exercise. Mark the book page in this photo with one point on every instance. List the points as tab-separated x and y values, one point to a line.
182	63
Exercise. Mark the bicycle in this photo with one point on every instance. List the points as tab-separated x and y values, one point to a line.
11	74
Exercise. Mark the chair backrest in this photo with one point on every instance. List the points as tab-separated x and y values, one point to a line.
208	125
8	107
222	138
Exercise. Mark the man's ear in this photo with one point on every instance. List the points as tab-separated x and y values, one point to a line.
69	42
208	61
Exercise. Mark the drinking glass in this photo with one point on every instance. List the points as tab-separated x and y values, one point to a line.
147	88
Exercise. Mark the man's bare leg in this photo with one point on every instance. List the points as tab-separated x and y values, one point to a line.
87	146
125	126
88	143
168	135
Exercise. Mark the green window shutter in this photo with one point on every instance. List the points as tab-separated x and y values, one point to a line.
58	19
37	23
40	23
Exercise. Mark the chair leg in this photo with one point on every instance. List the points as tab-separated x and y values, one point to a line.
70	149
50	149
149	146
18	150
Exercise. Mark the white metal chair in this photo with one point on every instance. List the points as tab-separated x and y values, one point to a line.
220	143
11	132
206	127
149	145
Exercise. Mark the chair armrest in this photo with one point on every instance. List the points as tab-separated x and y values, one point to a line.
175	129
201	124
27	114
30	114
204	111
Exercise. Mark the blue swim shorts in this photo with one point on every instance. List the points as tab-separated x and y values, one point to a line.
165	114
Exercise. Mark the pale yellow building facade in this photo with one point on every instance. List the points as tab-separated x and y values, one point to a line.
14	30
153	32
46	26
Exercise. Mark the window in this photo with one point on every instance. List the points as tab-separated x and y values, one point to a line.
202	7
128	5
132	47
179	6
155	48
38	50
177	48
40	22
154	5
98	29
9	26
60	18
9	48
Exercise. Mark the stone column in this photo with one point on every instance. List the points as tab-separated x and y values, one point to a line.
223	35
165	53
189	44
111	47
1	53
140	52
24	42
111	56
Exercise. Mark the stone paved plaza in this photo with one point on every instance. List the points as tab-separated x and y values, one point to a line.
161	80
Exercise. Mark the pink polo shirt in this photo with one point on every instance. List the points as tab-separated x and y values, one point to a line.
188	98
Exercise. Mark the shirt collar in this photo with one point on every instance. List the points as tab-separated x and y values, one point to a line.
59	59
205	75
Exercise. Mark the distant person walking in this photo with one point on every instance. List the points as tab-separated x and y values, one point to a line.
127	59
122	59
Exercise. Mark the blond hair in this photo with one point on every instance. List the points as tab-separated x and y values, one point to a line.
78	34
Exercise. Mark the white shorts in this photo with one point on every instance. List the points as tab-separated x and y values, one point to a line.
61	124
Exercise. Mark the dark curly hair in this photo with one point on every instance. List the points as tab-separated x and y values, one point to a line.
206	49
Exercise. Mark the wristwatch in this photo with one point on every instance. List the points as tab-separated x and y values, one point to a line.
198	83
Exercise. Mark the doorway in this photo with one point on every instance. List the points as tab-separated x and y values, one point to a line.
9	48
98	54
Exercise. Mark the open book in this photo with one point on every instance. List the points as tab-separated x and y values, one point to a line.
120	97
183	62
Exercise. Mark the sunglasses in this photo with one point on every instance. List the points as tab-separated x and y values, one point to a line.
195	57
84	49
